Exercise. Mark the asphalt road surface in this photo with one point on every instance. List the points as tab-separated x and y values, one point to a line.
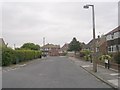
50	72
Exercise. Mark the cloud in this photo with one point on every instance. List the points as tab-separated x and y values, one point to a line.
59	22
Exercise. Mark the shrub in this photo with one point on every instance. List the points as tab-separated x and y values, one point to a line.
88	57
103	57
117	58
85	53
25	55
10	56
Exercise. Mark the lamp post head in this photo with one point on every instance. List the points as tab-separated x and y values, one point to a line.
86	7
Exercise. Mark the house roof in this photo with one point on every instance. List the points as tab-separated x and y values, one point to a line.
114	30
51	46
65	47
2	41
91	42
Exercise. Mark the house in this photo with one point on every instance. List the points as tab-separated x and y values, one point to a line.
51	49
64	49
90	45
113	40
101	45
2	43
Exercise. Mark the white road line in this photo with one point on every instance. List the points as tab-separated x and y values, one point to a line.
114	74
86	66
114	81
22	65
62	56
13	68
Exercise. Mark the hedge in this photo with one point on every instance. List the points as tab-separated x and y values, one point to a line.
117	58
10	56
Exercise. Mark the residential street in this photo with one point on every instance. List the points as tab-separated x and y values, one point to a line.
50	72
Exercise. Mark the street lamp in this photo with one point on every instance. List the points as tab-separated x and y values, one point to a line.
94	45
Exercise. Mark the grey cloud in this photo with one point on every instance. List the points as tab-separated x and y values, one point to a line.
58	22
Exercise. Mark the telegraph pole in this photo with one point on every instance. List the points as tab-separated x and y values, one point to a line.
14	46
43	46
43	41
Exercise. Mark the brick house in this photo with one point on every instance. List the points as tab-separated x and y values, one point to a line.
101	45
64	49
113	40
50	49
90	45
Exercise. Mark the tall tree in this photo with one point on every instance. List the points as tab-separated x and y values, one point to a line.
74	45
31	46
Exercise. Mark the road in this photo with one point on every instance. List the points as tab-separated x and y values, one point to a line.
51	72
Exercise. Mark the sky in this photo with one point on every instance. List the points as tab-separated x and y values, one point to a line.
58	22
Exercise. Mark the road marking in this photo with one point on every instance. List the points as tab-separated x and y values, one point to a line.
10	69
62	56
86	66
114	81
22	65
0	68
114	74
13	68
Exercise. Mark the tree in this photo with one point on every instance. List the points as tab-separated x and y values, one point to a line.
30	46
74	45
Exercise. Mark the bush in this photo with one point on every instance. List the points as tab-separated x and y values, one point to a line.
10	56
25	55
103	57
85	53
88	57
117	58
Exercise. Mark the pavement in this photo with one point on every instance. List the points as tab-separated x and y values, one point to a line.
108	76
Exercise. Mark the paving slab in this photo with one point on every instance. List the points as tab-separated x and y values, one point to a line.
106	75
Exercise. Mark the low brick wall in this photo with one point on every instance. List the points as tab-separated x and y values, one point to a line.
112	65
71	54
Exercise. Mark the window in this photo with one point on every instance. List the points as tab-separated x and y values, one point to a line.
109	49
112	36
114	48
116	35
108	37
97	49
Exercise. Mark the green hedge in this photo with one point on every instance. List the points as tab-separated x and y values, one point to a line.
117	58
10	56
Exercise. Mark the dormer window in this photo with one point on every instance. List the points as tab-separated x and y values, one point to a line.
112	35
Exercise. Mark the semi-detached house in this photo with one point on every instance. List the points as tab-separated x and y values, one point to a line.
113	40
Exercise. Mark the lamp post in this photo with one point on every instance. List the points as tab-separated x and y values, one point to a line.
94	45
43	46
